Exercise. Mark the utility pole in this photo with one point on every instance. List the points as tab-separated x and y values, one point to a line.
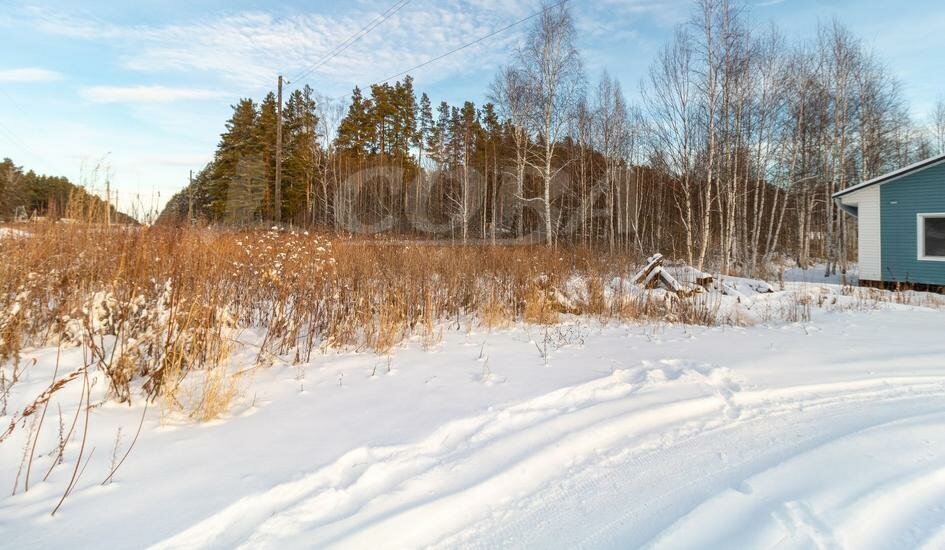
108	202
279	153
190	199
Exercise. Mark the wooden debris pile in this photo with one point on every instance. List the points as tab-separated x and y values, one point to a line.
655	275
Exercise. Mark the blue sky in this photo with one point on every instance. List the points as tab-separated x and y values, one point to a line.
147	84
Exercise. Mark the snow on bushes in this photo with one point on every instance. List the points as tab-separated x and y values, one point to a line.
155	305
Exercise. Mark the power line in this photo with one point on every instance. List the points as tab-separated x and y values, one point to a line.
10	134
353	38
21	143
473	43
14	140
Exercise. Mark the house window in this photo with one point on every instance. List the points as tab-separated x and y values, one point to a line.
932	237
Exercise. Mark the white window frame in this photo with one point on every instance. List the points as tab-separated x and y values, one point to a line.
920	224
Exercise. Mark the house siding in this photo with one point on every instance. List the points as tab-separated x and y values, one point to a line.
901	201
869	233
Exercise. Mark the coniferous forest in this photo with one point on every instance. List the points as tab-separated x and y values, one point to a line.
730	156
26	194
556	310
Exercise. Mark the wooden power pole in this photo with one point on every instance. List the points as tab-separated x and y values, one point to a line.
108	202
190	200
279	153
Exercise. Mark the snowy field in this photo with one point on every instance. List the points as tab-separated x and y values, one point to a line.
821	433
11	233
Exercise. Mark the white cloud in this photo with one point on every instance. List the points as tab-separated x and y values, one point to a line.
248	49
146	94
175	159
28	74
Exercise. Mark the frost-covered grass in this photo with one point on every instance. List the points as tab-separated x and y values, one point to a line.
170	335
151	305
582	433
12	233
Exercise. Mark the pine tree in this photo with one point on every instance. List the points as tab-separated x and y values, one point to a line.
491	142
240	141
405	116
353	131
265	143
439	135
301	150
425	126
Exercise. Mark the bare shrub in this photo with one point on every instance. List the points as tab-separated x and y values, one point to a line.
155	305
496	311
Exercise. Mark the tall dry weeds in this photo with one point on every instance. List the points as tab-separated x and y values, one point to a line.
154	304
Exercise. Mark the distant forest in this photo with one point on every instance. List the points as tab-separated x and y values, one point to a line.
27	195
740	138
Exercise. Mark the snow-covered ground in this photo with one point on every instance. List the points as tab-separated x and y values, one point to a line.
9	232
814	434
818	275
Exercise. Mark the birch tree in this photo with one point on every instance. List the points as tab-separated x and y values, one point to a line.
554	74
512	95
668	97
613	140
938	125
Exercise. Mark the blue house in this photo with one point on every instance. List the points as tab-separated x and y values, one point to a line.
901	225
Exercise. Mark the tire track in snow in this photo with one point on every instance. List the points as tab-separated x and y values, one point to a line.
339	489
900	502
556	525
448	482
626	510
889	493
650	462
800	519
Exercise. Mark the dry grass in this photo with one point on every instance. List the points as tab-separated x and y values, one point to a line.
497	312
540	305
204	397
153	305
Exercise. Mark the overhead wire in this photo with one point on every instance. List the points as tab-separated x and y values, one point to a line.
473	43
18	141
376	22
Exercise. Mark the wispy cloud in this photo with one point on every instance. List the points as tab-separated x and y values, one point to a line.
146	94
28	74
176	160
248	49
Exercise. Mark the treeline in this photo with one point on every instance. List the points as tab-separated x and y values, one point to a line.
731	157
27	195
238	185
